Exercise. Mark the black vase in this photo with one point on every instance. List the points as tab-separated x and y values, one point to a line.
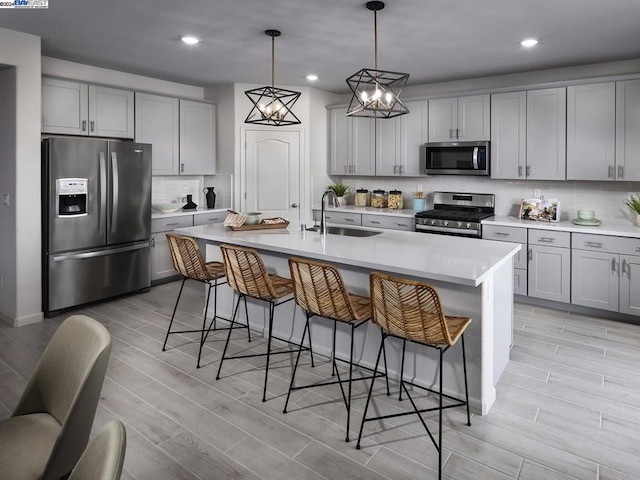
190	205
210	195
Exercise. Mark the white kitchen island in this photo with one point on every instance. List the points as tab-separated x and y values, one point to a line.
474	278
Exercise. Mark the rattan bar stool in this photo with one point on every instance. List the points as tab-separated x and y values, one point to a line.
411	311
319	290
188	261
248	276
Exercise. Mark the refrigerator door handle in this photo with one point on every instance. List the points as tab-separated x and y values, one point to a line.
115	182
99	253
103	192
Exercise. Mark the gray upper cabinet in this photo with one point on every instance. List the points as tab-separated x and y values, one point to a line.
628	130
352	148
509	135
461	118
398	141
157	123
591	132
75	108
197	138
546	134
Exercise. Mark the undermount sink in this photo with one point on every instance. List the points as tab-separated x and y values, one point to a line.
349	232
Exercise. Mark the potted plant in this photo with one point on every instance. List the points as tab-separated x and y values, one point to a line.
341	192
633	202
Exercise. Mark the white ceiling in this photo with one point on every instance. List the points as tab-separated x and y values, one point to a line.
432	40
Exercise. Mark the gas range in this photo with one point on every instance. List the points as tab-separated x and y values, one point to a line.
456	214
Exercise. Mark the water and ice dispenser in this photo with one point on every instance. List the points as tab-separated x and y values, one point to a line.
71	197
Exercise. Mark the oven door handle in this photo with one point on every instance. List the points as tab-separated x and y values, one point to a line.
461	232
475	158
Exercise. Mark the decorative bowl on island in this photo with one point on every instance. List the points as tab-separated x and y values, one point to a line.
167	207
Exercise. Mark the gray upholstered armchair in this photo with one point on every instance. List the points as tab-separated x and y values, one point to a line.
104	456
49	429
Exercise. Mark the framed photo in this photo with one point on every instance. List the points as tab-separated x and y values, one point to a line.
540	209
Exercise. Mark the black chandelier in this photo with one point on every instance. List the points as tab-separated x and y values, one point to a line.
376	93
271	105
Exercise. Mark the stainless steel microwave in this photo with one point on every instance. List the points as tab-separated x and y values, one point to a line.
456	158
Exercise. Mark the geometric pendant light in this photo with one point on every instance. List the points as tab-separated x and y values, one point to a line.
271	105
376	93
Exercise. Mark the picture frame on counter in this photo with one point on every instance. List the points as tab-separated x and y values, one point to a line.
540	209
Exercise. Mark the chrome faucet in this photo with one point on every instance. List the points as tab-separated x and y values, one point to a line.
323	220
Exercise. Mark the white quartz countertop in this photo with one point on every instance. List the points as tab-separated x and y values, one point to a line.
182	213
620	227
406	213
457	260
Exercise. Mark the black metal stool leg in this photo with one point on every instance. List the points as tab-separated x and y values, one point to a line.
404	345
373	379
333	351
246	313
295	366
466	388
226	345
175	308
203	335
350	379
266	370
440	421
386	372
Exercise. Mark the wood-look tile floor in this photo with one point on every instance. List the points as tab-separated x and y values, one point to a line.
568	404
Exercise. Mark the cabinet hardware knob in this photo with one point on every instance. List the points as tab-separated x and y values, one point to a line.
294	205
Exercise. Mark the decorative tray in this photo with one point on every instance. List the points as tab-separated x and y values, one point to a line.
267	223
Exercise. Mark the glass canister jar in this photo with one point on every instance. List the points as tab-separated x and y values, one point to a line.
379	199
395	201
362	197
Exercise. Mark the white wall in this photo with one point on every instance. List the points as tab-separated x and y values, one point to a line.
20	301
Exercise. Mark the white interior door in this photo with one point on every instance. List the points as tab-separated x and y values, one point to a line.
272	173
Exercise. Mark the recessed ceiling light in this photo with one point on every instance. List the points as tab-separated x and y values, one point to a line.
190	39
529	42
312	77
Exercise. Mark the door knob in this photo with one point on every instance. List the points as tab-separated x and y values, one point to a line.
294	205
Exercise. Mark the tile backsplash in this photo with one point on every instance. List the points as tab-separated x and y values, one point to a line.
605	198
173	188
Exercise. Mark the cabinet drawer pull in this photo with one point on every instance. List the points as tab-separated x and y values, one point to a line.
624	268
84	125
92	126
530	254
620	172
452	133
546	239
593	244
503	234
528	170
374	222
402	225
519	170
613	265
172	224
610	172
349	219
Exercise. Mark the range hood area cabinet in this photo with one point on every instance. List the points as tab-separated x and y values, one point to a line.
528	134
75	108
182	132
382	147
459	119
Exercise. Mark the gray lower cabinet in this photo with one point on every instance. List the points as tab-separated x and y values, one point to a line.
512	235
388	221
605	273
549	273
343	218
160	263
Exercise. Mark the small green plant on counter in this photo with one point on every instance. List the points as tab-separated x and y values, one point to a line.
339	189
633	203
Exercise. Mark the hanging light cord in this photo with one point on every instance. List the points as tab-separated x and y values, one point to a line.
375	36
273	61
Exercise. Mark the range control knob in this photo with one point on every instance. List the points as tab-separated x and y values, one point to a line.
460	224
445	223
433	222
468	225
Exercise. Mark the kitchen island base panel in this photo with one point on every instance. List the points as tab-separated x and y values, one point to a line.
488	338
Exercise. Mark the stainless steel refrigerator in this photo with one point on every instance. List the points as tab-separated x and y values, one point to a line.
96	218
